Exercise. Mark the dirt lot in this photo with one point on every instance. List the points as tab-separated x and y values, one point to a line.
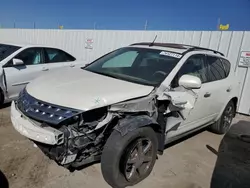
187	164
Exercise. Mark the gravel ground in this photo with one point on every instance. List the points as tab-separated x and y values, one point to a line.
186	164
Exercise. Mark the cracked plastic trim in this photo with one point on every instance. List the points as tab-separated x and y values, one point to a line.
43	134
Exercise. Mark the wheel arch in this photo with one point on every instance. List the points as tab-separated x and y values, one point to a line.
235	102
130	123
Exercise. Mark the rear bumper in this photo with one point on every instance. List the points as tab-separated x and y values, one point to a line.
35	131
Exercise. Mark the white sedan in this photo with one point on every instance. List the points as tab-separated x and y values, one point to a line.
19	64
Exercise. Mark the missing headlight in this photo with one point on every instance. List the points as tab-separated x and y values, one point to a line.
94	115
87	120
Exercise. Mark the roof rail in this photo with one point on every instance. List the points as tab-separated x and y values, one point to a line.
170	45
179	46
193	48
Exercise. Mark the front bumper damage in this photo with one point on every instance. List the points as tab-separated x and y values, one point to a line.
34	130
68	144
74	138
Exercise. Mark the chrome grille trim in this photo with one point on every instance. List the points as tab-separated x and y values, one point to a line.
43	111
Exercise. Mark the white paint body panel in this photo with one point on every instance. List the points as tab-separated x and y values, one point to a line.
17	77
80	89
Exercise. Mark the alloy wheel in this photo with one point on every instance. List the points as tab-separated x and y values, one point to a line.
138	160
227	117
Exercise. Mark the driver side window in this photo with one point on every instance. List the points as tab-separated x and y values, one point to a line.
195	66
31	56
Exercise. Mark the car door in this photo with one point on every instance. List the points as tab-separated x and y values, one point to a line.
18	76
56	58
202	111
218	82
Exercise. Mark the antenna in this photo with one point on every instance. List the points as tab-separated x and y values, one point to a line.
218	26
152	43
146	25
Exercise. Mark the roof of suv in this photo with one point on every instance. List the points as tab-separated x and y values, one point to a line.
21	45
178	48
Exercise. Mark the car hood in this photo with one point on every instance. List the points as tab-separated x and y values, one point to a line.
83	90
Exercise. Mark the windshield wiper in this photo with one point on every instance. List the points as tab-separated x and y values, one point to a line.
124	78
105	74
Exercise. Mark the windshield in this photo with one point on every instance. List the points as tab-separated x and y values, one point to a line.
138	65
6	50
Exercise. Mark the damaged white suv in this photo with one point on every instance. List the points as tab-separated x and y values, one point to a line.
125	106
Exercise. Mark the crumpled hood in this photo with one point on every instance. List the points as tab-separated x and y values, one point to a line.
83	90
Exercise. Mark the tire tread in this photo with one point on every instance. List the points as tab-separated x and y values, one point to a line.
217	127
112	153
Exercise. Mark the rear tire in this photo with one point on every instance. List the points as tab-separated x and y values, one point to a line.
127	160
224	122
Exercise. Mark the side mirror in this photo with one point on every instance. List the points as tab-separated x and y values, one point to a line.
190	82
17	61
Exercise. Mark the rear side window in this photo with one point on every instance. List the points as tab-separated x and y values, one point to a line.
227	66
216	70
31	56
53	55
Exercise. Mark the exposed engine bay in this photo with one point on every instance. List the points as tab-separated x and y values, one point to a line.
81	136
82	143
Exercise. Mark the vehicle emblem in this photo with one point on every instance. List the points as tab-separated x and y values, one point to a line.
97	100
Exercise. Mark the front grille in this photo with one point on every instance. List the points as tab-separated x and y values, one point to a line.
43	111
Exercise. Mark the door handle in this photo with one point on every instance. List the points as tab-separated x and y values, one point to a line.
72	65
229	89
207	95
45	69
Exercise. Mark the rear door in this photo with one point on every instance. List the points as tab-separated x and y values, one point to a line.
218	82
18	76
56	58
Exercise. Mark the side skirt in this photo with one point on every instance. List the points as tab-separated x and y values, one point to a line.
169	140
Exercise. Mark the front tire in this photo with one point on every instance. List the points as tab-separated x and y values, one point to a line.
127	160
1	98
223	124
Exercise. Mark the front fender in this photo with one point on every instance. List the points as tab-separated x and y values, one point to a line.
131	123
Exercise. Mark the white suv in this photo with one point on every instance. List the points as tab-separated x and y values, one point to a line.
125	106
19	64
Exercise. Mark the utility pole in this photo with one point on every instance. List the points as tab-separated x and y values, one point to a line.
146	25
218	24
94	25
14	24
